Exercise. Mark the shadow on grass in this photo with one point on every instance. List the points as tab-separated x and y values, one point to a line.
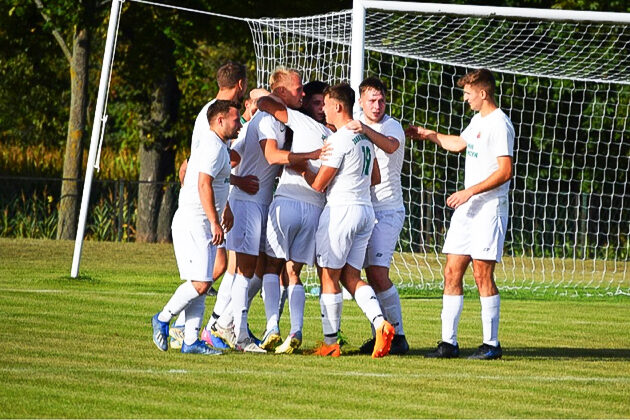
546	353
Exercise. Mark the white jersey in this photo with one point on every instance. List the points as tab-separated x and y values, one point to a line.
262	126
308	135
387	195
208	155
202	126
486	139
353	154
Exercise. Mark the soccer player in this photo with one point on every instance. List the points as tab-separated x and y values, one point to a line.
197	226
346	223
232	82
293	217
389	138
478	225
228	266
262	156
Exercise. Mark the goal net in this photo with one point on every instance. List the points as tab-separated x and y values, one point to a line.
565	84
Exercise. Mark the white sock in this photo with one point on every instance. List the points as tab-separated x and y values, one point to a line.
331	306
178	302
452	306
284	295
490	310
239	306
255	284
271	296
367	301
194	312
297	299
390	303
226	320
181	320
224	295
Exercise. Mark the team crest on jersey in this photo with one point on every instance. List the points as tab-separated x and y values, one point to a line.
479	135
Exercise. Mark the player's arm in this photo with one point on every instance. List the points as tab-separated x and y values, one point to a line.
445	141
182	171
247	183
321	180
276	109
277	156
206	194
235	158
388	144
227	219
496	178
376	173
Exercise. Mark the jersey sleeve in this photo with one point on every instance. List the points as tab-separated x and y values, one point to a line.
210	162
339	150
269	128
392	128
501	139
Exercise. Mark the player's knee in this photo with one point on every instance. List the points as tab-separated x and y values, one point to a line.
201	286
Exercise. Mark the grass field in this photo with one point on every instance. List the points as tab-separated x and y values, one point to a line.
82	348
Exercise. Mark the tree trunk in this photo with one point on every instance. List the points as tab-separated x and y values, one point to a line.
156	162
73	158
149	193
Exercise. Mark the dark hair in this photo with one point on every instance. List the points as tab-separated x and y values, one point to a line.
315	87
481	78
373	83
343	93
230	73
219	106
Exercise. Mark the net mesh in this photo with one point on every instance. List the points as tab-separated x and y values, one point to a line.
566	88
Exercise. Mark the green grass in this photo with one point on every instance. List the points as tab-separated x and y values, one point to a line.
82	348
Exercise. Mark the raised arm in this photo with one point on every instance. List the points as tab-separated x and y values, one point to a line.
276	156
277	109
445	141
388	144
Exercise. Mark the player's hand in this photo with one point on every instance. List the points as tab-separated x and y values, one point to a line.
326	150
247	183
457	199
217	233
227	219
355	126
314	155
418	133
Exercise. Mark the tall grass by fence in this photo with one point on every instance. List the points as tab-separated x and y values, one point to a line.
28	208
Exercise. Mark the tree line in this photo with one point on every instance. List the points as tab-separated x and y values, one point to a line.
50	60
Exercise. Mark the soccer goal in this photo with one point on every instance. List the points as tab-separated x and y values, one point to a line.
564	80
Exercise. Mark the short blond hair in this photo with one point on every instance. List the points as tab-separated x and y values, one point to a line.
281	76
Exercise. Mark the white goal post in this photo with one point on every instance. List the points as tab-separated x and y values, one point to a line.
564	80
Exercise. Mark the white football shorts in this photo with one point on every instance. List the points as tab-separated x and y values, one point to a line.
342	235
478	229
194	252
291	228
382	243
248	233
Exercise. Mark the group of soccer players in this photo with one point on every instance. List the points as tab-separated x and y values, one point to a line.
337	205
